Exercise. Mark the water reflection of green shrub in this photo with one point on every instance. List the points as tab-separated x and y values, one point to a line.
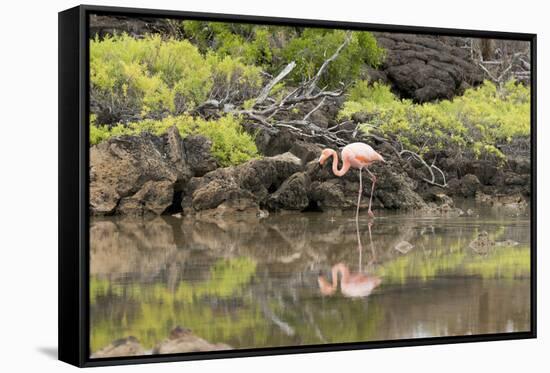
230	306
500	262
149	311
332	320
505	262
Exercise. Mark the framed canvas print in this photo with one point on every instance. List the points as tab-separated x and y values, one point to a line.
233	186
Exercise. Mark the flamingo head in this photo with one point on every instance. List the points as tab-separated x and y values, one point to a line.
326	153
380	158
325	287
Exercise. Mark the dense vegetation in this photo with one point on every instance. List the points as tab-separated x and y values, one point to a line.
476	122
272	47
230	143
134	79
153	82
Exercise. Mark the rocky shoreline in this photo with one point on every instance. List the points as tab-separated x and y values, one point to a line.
154	175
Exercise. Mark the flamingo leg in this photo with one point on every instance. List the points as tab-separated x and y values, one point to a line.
359	196
373	178
372	245
359	245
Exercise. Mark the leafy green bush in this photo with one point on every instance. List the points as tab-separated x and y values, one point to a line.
252	44
231	145
132	79
314	46
475	122
233	79
272	47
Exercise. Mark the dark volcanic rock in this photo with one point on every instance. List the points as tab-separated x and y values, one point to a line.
485	171
510	203
511	178
394	188
292	194
248	184
134	26
153	198
426	68
465	187
198	155
519	164
306	151
137	174
272	143
443	210
103	199
397	190
330	195
172	147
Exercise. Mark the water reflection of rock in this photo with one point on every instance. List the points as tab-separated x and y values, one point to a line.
286	243
295	242
133	246
449	307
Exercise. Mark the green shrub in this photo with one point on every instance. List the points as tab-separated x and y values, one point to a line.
272	47
233	79
314	46
136	78
252	44
231	145
133	79
475	122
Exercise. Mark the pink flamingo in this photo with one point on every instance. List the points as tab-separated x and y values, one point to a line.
351	284
357	155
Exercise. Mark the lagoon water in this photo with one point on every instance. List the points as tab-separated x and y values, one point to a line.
255	283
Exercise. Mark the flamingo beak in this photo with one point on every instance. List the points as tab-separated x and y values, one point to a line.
322	159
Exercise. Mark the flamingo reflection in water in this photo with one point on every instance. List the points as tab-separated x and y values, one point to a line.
352	285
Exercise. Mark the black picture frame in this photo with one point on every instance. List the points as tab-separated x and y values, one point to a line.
73	254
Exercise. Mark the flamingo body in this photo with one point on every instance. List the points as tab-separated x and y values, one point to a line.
360	155
352	285
356	155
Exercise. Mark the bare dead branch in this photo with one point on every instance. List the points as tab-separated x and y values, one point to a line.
312	84
265	109
306	117
441	172
493	78
505	63
265	91
503	74
430	168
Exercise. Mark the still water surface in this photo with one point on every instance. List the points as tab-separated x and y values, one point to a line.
269	282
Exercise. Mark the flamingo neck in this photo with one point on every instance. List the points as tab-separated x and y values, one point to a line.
345	165
343	270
